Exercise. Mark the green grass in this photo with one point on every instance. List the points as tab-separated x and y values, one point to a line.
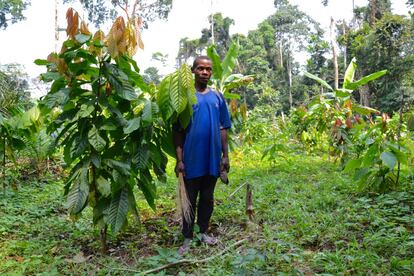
308	220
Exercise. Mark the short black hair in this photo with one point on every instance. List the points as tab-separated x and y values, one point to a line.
199	58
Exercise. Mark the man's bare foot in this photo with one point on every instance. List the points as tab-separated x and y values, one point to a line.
210	240
185	247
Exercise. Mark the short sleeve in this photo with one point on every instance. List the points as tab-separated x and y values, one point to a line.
224	114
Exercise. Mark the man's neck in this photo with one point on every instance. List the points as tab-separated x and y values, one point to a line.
202	88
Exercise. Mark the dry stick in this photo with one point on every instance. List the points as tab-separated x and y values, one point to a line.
183	261
235	191
249	203
192	261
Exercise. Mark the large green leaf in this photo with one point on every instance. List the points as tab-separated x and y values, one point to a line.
141	158
321	81
118	210
104	186
389	159
147	187
217	68
122	167
56	99
119	81
163	98
96	140
85	110
230	60
366	79
364	110
132	125
343	93
147	112
352	165
50	76
230	96
236	80
82	38
349	74
178	99
78	194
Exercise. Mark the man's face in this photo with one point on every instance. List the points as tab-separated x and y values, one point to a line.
202	71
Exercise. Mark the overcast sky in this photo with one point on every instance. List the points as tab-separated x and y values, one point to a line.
34	38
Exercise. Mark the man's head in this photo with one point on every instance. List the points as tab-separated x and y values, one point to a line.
202	69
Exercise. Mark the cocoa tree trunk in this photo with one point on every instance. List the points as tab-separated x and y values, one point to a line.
103	237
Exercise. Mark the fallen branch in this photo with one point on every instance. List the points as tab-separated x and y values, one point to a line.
189	261
183	261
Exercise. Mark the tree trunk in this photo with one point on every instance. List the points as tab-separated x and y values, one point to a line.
372	19
345	48
364	95
56	26
212	22
290	82
104	243
400	122
281	54
334	54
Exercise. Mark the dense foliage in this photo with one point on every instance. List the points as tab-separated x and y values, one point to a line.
112	126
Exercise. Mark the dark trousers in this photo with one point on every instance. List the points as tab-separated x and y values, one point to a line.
203	186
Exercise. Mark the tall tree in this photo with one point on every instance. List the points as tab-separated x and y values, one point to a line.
11	11
100	11
221	31
189	48
14	87
387	45
292	29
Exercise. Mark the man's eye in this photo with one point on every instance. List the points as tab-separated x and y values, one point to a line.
202	69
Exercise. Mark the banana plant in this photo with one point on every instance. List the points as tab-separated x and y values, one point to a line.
223	79
111	124
11	141
334	110
368	148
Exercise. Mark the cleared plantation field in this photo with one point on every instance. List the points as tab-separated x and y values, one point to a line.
307	220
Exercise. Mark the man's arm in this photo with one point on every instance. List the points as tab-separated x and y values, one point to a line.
225	162
178	137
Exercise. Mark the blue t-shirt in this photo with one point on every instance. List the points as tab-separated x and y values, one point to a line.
202	146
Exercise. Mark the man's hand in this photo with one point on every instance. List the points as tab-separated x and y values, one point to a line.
225	164
179	167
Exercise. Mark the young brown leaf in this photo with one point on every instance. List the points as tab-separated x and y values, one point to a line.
98	36
131	39
69	19
114	39
138	25
84	28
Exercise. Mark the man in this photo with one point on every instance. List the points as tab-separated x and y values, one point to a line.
202	151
